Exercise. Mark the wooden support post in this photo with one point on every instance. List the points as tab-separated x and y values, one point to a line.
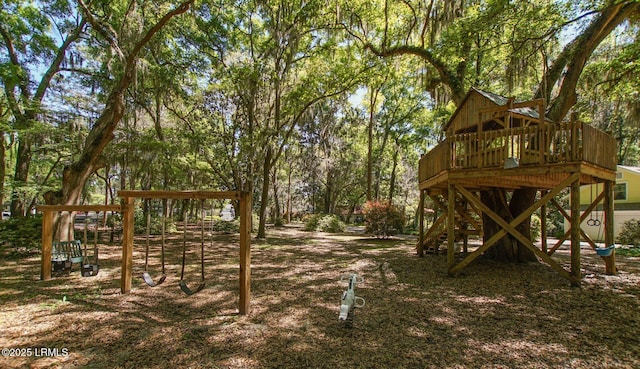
47	239
421	224
575	232
465	244
245	252
127	244
451	226
543	224
610	261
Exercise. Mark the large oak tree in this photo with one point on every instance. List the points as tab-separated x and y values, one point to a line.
455	39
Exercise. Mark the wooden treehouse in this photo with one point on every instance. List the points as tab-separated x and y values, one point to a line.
494	142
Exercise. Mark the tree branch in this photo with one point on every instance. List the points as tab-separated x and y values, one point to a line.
106	31
57	61
9	85
447	76
571	62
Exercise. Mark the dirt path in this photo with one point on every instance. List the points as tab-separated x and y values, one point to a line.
491	316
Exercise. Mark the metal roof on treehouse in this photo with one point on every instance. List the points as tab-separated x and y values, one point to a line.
488	108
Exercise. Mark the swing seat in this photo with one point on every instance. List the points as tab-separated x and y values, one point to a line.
605	251
67	250
90	265
63	255
149	281
89	270
187	290
60	267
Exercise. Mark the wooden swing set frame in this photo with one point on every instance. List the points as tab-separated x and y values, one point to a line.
127	209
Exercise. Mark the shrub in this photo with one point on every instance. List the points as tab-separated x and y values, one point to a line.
325	223
382	219
331	224
225	226
23	234
535	227
630	233
311	224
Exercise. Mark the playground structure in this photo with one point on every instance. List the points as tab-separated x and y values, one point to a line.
494	142
127	210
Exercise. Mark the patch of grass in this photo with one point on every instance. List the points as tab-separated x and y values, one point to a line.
631	251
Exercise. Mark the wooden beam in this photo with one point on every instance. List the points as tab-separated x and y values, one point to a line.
84	208
486	245
234	195
439	179
575	231
245	253
47	239
127	245
461	211
435	226
568	217
510	228
610	261
420	246
451	219
598	172
543	225
519	219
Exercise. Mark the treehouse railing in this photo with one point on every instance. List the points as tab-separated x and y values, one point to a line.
599	147
435	161
529	146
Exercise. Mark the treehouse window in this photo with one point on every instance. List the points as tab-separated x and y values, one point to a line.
620	191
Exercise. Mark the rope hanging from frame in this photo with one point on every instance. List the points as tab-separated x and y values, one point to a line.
183	283
145	275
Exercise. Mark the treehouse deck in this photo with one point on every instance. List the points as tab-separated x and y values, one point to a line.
487	159
495	143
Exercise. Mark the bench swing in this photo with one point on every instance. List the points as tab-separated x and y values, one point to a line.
183	284
65	253
145	275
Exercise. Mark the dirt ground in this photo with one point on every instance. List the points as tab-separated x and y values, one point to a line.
416	316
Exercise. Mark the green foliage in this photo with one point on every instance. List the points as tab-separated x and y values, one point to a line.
331	223
23	234
231	226
535	227
225	226
628	251
382	219
630	233
311	223
324	223
155	225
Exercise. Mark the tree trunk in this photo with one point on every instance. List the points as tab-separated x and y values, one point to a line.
21	176
75	176
373	97
3	167
277	216
289	205
392	180
566	70
508	249
264	198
